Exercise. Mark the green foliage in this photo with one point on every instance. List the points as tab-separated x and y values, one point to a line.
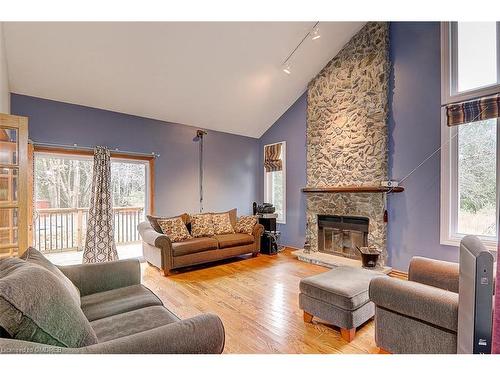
477	165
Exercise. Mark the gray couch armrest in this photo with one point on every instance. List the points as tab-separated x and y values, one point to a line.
202	334
418	301
437	273
100	277
158	240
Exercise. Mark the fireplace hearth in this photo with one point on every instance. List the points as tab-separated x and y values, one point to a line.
340	235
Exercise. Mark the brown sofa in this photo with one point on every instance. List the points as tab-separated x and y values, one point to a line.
160	252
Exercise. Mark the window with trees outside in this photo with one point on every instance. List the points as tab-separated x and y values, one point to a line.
62	188
275	179
469	154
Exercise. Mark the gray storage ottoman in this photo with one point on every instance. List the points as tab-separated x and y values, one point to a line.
339	296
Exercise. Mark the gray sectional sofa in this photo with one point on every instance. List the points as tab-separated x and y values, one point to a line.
115	313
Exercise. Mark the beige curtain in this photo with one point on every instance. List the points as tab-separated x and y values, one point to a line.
100	240
272	158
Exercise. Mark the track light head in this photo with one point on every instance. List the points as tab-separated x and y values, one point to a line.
315	34
287	68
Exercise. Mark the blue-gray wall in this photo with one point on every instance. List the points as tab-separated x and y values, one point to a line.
231	161
291	127
414	133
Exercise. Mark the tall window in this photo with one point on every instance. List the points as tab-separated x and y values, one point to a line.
469	156
275	178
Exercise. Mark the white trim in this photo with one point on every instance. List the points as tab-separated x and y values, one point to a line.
268	176
449	69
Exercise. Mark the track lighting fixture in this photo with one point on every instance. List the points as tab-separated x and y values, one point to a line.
314	33
287	68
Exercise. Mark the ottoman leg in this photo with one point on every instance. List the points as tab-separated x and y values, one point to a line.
348	333
307	317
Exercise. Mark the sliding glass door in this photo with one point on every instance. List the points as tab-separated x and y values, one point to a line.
63	184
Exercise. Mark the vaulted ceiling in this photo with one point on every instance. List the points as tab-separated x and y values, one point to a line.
224	76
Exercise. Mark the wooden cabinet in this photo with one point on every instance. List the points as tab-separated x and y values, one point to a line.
14	219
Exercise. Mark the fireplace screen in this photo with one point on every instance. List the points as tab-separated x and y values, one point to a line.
340	235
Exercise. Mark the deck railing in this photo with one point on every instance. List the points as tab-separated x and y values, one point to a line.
64	229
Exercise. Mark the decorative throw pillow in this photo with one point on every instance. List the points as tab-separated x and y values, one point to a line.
35	306
174	228
32	255
153	220
245	224
222	223
202	225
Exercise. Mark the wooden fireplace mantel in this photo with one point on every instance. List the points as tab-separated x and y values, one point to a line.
353	189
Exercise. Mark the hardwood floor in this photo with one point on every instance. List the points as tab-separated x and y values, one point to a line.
257	300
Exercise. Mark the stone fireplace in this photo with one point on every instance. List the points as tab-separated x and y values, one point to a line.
347	146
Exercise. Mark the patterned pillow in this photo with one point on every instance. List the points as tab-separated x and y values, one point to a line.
202	225
153	220
222	223
174	228
245	224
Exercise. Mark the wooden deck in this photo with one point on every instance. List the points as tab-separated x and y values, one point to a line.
125	251
257	300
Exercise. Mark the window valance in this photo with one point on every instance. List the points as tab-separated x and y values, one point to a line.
272	158
473	110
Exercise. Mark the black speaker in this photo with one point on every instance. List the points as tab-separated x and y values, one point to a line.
268	223
268	244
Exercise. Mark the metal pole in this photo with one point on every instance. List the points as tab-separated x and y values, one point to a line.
201	173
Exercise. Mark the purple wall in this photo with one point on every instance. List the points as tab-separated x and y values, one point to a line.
290	127
231	161
414	133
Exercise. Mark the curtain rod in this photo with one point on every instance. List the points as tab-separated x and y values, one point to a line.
89	148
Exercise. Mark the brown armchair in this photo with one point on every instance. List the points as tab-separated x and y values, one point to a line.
419	315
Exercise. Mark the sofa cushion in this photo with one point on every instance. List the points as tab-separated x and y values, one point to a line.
222	223
112	302
233	215
132	322
153	220
194	245
202	225
343	286
174	228
245	224
35	306
234	239
32	255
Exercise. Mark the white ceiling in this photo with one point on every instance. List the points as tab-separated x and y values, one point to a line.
214	75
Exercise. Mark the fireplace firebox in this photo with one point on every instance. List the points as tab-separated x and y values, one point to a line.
340	235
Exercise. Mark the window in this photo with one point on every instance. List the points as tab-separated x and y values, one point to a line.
62	184
275	178
470	60
469	154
